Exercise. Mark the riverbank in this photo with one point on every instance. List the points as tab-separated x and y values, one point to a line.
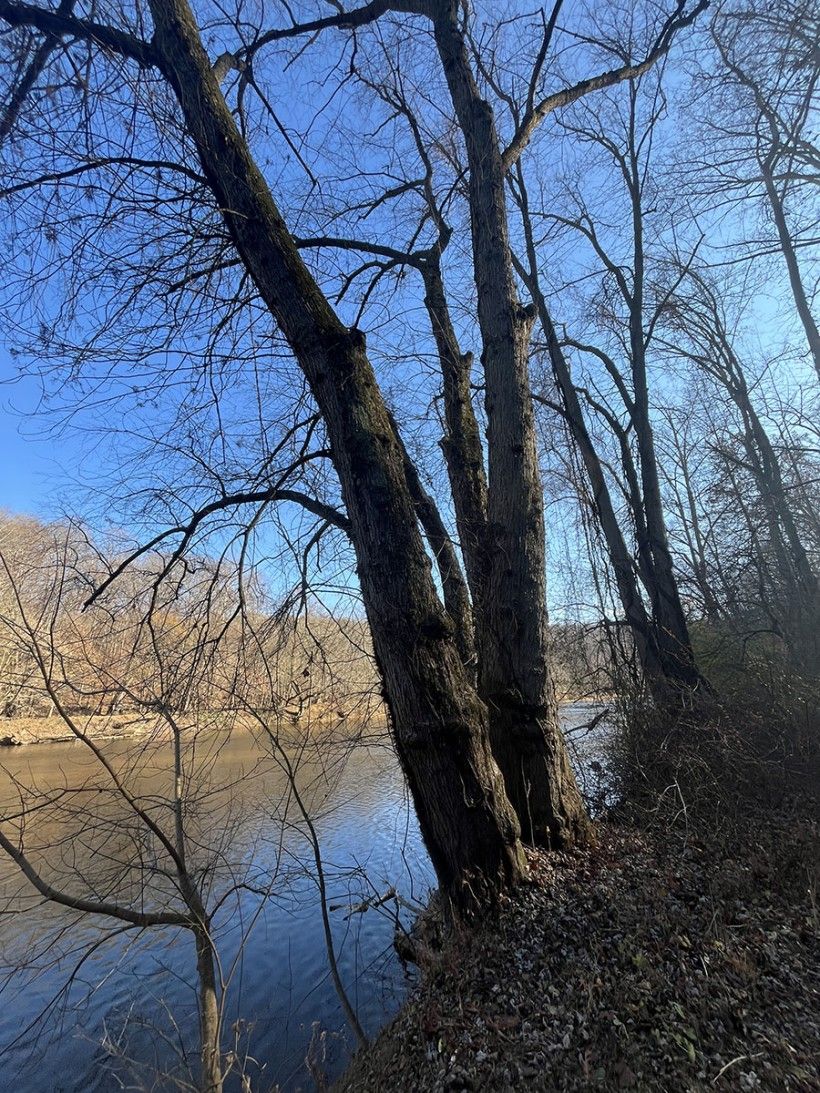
364	719
20	731
318	721
661	960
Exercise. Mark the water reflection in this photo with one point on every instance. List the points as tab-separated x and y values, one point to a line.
124	1013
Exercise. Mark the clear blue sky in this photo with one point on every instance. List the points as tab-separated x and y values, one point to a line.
33	465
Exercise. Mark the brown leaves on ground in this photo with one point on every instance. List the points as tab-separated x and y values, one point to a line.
662	962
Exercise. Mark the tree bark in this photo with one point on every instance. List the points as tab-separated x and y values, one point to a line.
440	726
515	680
209	1018
462	448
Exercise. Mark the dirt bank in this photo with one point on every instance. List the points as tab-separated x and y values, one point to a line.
52	730
662	961
319	721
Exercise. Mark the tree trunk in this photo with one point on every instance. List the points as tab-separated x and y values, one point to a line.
440	726
454	587
800	612
796	601
680	670
513	642
209	1019
620	559
801	301
695	537
463	452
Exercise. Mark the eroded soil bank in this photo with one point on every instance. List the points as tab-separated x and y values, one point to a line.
661	960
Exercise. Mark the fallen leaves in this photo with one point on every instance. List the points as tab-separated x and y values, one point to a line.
638	965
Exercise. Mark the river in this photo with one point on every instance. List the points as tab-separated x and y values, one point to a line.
84	1009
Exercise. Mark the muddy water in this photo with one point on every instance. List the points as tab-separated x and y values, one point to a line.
84	1008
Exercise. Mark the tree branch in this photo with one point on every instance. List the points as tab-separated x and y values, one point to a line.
109	161
248	497
29	78
343	20
89	906
568	95
61	24
340	243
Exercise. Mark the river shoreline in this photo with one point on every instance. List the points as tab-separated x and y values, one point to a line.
36	731
658	960
318	718
30	731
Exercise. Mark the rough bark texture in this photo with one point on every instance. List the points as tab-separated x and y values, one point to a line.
513	644
440	724
462	448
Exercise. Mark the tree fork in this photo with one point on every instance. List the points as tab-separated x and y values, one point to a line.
512	637
440	726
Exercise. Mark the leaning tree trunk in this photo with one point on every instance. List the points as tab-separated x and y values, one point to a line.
461	446
787	247
800	610
512	637
679	667
623	567
685	683
453	585
440	725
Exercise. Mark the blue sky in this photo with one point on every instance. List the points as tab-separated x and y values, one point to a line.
34	464
43	472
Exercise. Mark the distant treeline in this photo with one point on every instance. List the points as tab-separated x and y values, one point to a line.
193	644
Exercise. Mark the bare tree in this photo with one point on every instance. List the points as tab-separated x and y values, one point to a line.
759	148
699	332
626	264
138	836
450	733
130	828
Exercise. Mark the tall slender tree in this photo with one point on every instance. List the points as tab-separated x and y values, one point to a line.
454	727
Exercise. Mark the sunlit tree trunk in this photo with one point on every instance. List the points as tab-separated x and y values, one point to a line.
514	674
440	724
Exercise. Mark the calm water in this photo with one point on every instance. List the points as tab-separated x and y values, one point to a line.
74	1018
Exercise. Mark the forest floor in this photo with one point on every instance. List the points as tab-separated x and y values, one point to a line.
662	959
